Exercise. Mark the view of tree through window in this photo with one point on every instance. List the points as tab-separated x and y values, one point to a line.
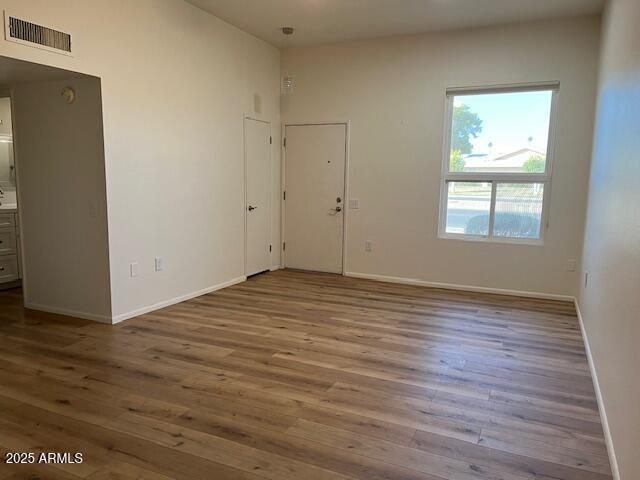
501	135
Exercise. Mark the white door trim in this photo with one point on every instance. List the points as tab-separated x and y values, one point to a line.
283	180
246	117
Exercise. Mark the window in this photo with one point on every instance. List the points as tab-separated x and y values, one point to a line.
497	163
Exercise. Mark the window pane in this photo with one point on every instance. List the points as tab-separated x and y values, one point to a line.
518	210
468	205
500	132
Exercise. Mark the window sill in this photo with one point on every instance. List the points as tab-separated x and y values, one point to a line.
508	241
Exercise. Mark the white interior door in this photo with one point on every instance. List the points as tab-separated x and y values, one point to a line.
315	158
257	140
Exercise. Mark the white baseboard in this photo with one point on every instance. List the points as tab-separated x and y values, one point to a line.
603	414
173	301
276	267
69	313
134	313
467	288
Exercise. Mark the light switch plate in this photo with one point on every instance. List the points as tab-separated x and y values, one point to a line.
134	269
159	264
354	203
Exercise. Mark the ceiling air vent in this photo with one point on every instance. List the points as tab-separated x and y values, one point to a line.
28	33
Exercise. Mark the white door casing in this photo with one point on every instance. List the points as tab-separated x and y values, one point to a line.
257	195
315	160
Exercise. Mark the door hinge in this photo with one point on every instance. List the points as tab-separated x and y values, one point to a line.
270	140
284	245
269	247
284	195
285	142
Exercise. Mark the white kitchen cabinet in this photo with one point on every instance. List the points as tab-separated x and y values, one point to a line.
9	248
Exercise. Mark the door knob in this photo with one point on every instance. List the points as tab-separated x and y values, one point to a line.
338	200
251	208
338	209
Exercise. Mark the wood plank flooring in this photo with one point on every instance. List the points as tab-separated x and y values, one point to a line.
305	376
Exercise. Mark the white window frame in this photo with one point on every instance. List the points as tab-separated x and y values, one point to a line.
495	178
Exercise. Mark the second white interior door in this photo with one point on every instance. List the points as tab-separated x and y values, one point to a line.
315	158
258	187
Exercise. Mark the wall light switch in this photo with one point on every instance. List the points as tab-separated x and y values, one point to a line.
354	203
134	269
368	246
571	265
159	264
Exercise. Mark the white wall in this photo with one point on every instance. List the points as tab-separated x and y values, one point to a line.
610	304
176	83
62	198
393	89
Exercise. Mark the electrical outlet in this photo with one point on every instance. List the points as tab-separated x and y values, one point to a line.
159	264
368	246
134	269
571	265
354	203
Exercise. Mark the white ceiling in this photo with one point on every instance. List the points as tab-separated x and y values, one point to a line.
323	21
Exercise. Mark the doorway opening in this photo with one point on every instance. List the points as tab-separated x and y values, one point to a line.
10	268
55	191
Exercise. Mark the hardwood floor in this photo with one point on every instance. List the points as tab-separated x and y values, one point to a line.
305	376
